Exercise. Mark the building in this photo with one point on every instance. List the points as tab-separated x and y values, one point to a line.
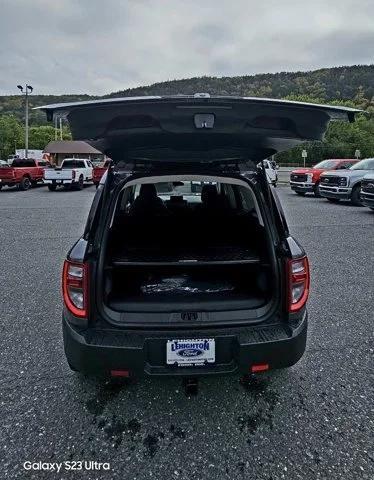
60	149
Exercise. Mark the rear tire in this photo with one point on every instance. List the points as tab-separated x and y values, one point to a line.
317	193
25	184
52	187
355	196
334	200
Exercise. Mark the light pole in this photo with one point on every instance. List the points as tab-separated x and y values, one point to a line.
28	89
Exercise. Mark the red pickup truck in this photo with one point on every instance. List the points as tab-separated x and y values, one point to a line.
99	171
23	173
304	180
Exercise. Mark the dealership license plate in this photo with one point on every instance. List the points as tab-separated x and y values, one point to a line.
187	352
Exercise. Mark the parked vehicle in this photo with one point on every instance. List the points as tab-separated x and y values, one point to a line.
307	180
367	191
98	172
192	283
73	173
23	173
271	172
346	185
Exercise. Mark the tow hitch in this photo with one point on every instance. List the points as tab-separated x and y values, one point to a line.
190	386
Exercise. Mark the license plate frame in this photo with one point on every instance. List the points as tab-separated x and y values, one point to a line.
187	352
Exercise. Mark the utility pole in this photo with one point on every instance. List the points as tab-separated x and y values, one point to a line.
28	90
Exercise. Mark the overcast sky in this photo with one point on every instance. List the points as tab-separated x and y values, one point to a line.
101	46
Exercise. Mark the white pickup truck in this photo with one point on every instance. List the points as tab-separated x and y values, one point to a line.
72	173
271	171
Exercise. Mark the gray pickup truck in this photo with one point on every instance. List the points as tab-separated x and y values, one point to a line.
367	190
346	184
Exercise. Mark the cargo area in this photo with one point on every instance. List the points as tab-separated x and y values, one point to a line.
187	245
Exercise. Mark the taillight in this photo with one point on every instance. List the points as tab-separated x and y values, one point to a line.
298	283
75	288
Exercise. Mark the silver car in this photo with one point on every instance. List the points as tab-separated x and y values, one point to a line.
346	184
367	190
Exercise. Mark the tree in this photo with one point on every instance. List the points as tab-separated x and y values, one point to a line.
11	135
39	137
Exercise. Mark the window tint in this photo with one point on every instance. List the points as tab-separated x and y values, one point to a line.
23	162
73	164
229	194
246	199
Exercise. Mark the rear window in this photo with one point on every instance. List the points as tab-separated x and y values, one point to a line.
188	195
190	191
23	162
73	164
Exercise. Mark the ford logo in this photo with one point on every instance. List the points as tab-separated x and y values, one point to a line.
190	352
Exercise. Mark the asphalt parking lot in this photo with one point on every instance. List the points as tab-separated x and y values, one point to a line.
314	420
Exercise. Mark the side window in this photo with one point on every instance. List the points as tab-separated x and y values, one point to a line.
229	194
128	197
246	199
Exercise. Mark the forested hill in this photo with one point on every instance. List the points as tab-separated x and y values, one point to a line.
328	84
341	83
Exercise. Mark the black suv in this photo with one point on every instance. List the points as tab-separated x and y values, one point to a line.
186	266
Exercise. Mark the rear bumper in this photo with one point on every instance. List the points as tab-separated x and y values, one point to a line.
343	193
302	186
58	182
94	351
367	199
8	181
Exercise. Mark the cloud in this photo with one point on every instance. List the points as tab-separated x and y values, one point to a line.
98	47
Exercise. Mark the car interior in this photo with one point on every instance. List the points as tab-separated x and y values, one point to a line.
201	242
